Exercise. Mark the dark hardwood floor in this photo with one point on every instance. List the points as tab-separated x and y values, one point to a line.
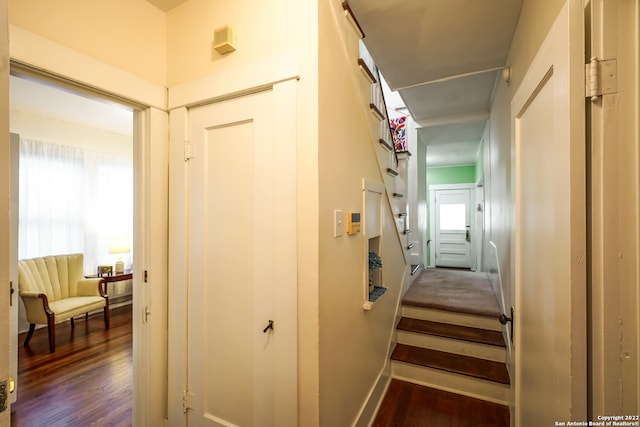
412	405
88	381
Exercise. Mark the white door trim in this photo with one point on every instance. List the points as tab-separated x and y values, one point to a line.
432	220
614	208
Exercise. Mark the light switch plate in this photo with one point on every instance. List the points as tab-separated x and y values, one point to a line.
338	220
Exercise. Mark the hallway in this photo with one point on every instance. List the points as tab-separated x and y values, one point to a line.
448	366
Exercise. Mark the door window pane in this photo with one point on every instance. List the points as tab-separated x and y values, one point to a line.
453	217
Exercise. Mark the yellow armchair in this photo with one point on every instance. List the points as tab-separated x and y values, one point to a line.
53	289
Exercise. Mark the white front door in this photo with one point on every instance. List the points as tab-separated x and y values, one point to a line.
240	250
453	228
550	274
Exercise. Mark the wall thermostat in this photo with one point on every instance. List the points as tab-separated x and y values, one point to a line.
353	222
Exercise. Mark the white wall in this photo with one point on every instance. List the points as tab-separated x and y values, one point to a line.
415	196
535	21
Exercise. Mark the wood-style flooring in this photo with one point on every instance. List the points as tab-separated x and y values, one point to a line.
412	405
88	381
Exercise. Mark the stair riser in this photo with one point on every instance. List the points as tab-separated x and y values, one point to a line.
452	382
450	345
461	319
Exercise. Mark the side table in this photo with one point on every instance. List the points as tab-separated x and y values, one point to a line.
110	278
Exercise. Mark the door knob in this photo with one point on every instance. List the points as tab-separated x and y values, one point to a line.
504	319
269	326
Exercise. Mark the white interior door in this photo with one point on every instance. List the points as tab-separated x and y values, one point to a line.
550	280
239	258
453	228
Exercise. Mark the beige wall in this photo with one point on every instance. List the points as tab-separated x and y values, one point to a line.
128	34
353	342
262	28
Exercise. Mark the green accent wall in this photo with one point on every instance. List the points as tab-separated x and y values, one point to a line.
451	175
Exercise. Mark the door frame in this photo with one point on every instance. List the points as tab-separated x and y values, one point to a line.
432	221
46	60
569	28
614	205
279	73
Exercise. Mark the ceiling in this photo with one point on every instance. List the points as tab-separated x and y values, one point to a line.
166	5
37	97
442	58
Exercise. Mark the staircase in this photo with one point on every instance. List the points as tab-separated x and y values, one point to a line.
393	164
450	352
455	352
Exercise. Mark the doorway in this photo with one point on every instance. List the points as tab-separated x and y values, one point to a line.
452	226
82	144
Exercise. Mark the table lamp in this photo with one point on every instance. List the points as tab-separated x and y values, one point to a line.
119	245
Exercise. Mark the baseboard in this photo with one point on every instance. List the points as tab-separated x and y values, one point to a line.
374	400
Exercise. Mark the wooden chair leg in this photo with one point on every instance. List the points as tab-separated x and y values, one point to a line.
86	316
32	327
73	325
51	326
107	322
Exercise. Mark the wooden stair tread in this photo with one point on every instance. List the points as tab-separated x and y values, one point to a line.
465	365
477	335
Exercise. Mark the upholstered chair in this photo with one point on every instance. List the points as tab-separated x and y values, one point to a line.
54	289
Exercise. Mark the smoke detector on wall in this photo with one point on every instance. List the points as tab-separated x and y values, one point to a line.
224	39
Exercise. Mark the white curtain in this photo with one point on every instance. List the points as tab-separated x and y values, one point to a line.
73	200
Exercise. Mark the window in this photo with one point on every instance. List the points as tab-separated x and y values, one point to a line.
72	200
453	216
